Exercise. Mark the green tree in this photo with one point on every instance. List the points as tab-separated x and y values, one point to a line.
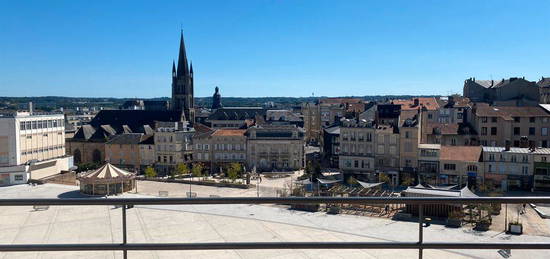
352	181
384	178
234	171
150	172
196	171
407	181
182	169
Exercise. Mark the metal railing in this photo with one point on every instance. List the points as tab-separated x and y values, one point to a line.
420	245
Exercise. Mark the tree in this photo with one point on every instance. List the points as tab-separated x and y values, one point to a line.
196	171
182	169
384	178
150	172
407	181
234	171
352	181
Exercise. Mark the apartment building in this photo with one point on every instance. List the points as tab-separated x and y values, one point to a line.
173	145
409	138
32	146
428	163
357	148
541	165
330	147
497	124
461	165
220	148
275	148
386	155
509	168
312	122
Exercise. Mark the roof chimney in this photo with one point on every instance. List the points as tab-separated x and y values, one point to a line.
524	142
507	145
416	102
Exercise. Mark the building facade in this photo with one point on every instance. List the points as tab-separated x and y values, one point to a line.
357	145
173	145
509	168
275	148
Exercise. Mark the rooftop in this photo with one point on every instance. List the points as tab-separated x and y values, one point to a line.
460	153
229	132
509	112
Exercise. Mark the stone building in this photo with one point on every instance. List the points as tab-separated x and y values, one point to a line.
544	89
507	92
428	163
497	124
220	148
461	165
386	158
312	122
124	151
173	145
330	147
275	148
357	145
509	168
541	165
409	138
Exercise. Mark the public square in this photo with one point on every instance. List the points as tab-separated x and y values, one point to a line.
220	223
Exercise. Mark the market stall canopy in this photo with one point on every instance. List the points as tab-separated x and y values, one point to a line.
107	173
369	185
326	181
304	182
442	187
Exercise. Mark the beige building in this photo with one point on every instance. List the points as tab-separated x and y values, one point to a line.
312	122
173	145
461	165
497	124
27	140
428	163
509	168
357	145
220	148
124	151
275	148
409	138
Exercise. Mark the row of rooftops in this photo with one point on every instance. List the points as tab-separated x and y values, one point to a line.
543	82
509	112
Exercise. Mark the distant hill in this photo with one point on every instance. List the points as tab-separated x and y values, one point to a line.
48	103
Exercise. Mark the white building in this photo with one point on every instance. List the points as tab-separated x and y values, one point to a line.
32	146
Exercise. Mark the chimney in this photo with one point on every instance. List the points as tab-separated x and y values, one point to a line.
30	108
507	145
416	102
532	146
524	142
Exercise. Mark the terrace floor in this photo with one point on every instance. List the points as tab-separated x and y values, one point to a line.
221	223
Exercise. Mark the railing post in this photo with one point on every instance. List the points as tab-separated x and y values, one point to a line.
125	252
420	229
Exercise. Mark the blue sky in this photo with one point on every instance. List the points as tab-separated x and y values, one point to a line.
268	48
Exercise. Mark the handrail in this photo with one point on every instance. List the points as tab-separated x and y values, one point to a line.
272	200
125	247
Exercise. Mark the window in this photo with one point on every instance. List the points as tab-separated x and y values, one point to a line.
532	119
517	131
484	131
491	157
453	142
449	167
407	134
543	159
430	116
544	131
484	119
380	149
517	119
516	143
493	119
493	131
33	124
525	170
532	131
490	168
472	168
18	177
356	164
22	125
369	137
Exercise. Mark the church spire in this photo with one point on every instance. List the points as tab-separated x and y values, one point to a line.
173	68
183	69
191	69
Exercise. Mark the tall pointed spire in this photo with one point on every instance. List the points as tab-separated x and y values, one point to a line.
183	69
173	68
191	67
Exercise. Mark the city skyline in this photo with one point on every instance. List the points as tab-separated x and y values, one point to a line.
268	48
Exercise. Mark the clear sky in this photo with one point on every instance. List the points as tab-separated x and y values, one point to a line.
269	48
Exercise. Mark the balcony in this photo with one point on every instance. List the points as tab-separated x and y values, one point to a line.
417	243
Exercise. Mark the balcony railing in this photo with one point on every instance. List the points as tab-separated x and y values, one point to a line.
419	244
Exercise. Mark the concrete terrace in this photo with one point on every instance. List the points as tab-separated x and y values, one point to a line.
220	223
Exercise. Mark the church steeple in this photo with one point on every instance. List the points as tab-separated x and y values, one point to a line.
183	68
182	84
174	69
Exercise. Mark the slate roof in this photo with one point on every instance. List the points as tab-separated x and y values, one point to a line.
508	112
134	119
517	150
237	113
126	138
335	130
544	82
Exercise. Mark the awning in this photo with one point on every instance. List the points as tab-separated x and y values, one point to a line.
326	181
442	187
369	185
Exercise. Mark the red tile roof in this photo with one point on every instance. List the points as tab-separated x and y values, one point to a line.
229	132
460	153
429	102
